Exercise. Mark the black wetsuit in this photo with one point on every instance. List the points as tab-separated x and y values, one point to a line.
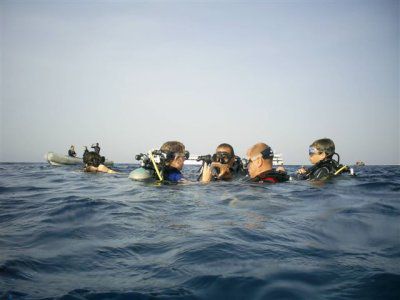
272	176
71	153
322	170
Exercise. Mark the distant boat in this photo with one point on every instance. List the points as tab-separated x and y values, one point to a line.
59	160
278	160
193	160
360	163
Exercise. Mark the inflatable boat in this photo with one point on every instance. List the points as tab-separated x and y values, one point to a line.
59	160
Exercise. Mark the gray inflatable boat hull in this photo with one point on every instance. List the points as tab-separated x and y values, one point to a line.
59	160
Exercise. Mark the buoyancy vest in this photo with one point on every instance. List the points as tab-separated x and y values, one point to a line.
324	169
272	176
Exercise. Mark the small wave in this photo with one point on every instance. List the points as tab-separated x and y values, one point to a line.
276	286
377	286
79	294
12	295
379	186
10	271
211	253
24	268
18	189
151	248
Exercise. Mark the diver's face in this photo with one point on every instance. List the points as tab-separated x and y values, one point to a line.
178	162
228	151
253	165
317	157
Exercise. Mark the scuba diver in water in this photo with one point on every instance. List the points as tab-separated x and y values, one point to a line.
94	162
259	165
164	165
71	151
321	154
222	165
96	148
175	156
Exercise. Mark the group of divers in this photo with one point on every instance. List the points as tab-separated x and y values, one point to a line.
165	165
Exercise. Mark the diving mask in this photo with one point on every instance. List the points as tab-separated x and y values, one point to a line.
312	151
222	157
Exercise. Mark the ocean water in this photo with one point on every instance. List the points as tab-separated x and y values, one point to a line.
73	235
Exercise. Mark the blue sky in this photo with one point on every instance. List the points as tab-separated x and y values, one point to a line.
132	75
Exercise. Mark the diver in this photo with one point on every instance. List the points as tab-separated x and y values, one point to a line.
222	165
260	168
71	151
96	148
321	154
175	156
95	163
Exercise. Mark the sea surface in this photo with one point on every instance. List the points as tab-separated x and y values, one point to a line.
74	235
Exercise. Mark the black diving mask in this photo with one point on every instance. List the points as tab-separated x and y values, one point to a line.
222	157
171	155
313	150
185	155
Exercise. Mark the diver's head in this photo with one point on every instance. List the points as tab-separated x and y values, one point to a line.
259	159
176	154
224	154
92	159
321	149
72	147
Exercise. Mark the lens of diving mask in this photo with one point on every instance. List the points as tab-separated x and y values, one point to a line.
222	157
185	155
312	151
171	155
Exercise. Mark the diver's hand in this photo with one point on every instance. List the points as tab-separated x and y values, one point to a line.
224	171
302	170
281	169
206	174
104	169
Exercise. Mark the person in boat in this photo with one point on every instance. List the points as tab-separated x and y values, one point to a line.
260	167
95	163
321	154
71	151
176	155
85	152
224	165
96	148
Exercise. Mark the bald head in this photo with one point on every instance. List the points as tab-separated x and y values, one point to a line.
257	164
256	149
